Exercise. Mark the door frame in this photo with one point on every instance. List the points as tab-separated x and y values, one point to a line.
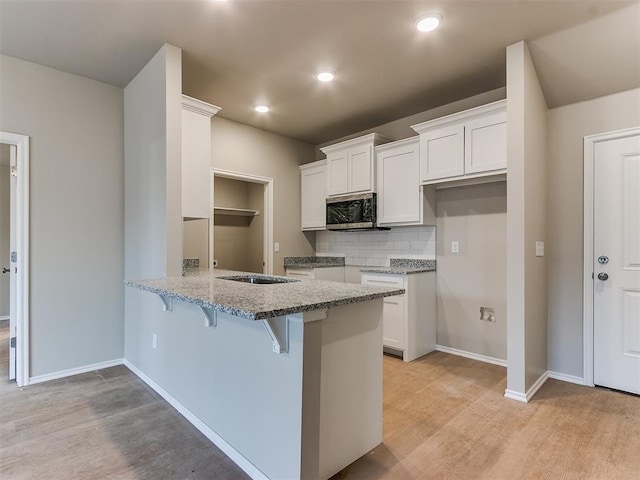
267	248
21	142
590	142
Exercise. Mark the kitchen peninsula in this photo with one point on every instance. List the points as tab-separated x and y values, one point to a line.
285	377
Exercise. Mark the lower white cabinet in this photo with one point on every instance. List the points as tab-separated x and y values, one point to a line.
409	320
333	274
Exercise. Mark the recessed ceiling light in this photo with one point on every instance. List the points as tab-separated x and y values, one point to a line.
325	76
428	22
262	108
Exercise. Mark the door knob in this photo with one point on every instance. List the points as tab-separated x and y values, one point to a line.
5	270
603	276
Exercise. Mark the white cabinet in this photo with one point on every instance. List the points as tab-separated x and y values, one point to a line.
409	320
350	167
467	144
313	193
401	198
196	157
333	274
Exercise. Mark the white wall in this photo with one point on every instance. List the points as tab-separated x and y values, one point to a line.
526	223
244	149
476	217
567	128
75	127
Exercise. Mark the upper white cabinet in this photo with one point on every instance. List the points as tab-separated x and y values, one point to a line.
467	144
196	157
350	165
313	189
401	198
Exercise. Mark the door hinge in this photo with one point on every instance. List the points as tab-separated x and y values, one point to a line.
14	171
12	342
14	257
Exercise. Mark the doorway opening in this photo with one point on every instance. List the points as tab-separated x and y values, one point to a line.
241	223
14	260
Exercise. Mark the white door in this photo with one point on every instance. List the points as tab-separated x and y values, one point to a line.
616	242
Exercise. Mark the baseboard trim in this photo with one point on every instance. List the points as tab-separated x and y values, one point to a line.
248	467
568	378
74	371
526	397
4	317
472	356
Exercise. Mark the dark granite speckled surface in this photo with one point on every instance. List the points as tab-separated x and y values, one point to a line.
403	266
257	302
313	262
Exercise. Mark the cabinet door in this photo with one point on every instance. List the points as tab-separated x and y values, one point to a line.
399	195
442	153
337	173
313	197
486	144
360	175
196	165
394	322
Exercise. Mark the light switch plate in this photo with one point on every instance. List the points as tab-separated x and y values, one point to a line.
455	247
276	247
539	249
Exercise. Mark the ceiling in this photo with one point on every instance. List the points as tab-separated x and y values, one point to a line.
239	53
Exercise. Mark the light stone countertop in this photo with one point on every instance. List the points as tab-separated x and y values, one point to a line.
257	302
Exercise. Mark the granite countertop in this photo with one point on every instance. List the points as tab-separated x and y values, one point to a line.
313	262
402	266
257	302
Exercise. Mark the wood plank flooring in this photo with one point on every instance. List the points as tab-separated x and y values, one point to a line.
445	417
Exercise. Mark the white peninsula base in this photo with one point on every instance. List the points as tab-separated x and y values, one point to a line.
307	412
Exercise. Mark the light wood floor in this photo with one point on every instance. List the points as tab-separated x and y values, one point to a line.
445	417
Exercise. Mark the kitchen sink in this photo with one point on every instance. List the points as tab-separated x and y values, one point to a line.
259	279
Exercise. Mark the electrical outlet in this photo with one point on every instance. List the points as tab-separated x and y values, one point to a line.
276	247
487	314
455	247
154	341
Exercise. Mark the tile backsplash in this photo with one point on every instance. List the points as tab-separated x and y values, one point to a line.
375	248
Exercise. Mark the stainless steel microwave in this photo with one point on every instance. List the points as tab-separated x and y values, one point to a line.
352	212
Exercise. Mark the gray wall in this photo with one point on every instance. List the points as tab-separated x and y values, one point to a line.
153	221
244	149
566	129
476	217
195	240
75	127
526	222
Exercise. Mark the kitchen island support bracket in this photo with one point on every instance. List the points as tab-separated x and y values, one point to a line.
167	303
210	316
278	330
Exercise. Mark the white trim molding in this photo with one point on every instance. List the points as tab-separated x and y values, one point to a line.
75	371
472	356
4	317
525	397
248	467
21	143
567	378
587	270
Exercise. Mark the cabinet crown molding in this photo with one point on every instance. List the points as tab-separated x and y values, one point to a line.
465	115
317	163
373	138
198	106
399	143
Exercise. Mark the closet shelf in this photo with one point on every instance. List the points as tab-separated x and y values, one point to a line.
241	212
